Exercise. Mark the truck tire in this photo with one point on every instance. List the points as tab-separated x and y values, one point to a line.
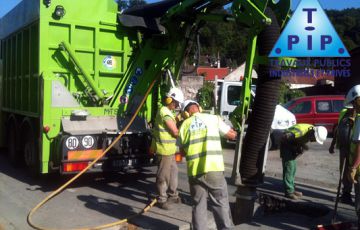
270	144
13	152
31	155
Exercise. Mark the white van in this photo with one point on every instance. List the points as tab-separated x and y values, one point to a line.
227	97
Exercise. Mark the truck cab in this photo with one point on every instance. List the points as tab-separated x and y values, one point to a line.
227	96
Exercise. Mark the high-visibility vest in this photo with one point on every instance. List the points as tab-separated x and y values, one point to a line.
300	130
200	139
165	143
353	145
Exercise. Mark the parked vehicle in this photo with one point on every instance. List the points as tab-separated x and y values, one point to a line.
228	98
317	110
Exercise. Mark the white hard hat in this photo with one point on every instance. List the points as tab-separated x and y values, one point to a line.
176	94
188	102
353	93
320	134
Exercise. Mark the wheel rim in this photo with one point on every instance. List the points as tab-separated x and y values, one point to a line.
29	155
11	145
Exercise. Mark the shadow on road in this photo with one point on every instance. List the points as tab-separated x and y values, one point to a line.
128	192
52	181
314	192
121	211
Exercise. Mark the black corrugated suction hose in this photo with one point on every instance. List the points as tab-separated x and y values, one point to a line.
267	94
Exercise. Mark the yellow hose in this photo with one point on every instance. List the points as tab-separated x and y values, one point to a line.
61	188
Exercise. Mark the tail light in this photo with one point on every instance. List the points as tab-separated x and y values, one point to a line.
74	167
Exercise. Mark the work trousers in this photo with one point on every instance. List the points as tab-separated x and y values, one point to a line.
167	177
289	168
289	171
357	198
347	185
214	185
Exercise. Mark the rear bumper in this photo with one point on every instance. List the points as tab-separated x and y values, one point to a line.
107	164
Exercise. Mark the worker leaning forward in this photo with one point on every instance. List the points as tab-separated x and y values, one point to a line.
342	140
165	134
293	144
199	141
353	172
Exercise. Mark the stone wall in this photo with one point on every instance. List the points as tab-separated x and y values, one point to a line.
190	85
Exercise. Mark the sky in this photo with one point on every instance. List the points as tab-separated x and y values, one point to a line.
6	5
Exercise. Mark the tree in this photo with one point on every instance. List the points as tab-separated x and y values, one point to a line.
287	94
347	26
205	95
226	38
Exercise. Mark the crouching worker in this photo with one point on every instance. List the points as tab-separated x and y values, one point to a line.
165	134
199	140
293	144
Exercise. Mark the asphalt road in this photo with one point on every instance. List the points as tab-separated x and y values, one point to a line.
94	199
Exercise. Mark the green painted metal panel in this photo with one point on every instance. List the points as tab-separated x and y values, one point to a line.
104	67
20	70
89	27
32	59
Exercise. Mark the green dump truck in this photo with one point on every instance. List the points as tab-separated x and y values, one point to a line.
72	74
70	79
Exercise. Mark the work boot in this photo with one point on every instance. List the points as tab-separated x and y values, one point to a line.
291	196
163	205
174	199
346	199
298	194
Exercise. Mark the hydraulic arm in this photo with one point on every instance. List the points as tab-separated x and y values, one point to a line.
264	18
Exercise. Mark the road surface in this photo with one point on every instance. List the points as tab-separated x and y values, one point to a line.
94	199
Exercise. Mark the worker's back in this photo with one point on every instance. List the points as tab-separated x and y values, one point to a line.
344	128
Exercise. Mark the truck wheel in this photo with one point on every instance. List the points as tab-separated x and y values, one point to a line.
14	154
270	144
31	154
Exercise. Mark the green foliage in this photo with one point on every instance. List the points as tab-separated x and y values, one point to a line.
287	94
226	39
205	95
346	23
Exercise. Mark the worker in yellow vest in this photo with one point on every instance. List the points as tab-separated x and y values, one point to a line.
353	172
199	141
165	134
293	144
341	139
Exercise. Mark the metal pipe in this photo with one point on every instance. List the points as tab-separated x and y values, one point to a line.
86	75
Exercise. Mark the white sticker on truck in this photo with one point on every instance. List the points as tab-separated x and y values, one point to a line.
72	143
87	142
109	62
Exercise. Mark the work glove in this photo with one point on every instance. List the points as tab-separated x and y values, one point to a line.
287	136
179	119
351	175
299	149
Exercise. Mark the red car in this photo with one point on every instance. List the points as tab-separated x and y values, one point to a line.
317	110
